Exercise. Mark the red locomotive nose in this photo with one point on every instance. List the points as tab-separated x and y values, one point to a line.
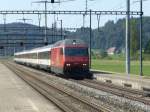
76	59
74	64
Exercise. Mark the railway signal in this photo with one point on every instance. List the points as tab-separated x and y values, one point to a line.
21	44
46	43
52	1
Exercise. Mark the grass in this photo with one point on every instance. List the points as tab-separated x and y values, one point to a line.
119	66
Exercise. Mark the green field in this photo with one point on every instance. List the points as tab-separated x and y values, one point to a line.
119	66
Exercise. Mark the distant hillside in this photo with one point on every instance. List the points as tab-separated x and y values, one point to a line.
110	35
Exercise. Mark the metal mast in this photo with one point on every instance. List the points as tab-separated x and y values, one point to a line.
128	38
141	32
86	9
45	39
90	38
24	21
45	7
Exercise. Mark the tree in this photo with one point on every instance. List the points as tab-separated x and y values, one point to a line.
147	48
134	41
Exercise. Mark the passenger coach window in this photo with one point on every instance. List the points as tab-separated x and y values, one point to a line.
44	55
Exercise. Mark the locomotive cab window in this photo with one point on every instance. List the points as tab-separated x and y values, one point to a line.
76	51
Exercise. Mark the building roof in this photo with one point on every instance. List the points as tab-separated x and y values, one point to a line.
111	50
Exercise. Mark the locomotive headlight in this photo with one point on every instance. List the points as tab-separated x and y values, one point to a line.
67	64
84	64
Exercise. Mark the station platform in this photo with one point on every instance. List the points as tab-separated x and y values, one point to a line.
17	96
132	81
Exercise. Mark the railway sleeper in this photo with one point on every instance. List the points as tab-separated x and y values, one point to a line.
146	91
127	85
109	81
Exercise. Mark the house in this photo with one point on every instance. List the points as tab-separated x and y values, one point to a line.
111	51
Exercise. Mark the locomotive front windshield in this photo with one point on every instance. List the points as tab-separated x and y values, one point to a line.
76	51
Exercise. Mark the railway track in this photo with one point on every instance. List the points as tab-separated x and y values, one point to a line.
65	99
131	94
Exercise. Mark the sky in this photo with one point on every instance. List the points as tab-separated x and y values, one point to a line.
70	20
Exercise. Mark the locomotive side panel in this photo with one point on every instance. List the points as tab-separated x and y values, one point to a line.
57	60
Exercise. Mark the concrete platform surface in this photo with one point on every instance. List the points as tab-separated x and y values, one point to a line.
135	82
17	96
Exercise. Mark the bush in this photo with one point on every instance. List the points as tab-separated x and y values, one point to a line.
146	56
103	54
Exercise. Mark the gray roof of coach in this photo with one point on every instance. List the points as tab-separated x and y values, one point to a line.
40	49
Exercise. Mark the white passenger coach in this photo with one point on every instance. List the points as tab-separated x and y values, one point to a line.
39	56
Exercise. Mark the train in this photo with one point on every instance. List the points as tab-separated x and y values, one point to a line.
67	58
